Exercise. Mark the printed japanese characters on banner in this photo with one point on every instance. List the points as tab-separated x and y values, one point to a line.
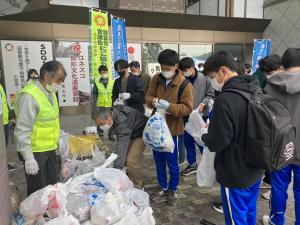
76	89
100	50
18	57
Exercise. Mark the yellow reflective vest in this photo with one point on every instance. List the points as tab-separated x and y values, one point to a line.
46	128
5	108
104	94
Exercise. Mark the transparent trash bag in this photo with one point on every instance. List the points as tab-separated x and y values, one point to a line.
206	174
114	180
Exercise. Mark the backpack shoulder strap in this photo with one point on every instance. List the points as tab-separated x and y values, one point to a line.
244	94
182	88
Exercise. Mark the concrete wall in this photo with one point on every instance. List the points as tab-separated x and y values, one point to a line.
284	30
47	31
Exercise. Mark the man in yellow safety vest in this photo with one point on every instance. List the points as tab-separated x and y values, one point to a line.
102	94
37	129
6	120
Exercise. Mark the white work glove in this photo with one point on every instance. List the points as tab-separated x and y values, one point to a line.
31	167
90	130
125	96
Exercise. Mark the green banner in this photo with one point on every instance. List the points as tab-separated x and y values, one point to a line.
100	49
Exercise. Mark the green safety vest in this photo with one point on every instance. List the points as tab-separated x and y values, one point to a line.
104	94
46	128
5	109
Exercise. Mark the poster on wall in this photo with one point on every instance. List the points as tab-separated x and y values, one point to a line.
134	52
76	90
18	57
153	68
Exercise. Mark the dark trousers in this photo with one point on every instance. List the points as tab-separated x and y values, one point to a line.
47	172
6	133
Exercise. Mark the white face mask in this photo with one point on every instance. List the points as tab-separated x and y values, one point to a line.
104	76
105	127
216	86
186	74
201	69
167	74
54	87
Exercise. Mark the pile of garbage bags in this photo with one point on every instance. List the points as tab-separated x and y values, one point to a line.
102	197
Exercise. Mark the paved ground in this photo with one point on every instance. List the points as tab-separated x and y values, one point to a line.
193	202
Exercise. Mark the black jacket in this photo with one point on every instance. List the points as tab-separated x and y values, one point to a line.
227	135
128	123
136	90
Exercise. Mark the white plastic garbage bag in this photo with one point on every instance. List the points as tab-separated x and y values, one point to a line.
109	210
63	220
138	197
206	174
37	203
50	200
194	124
145	217
114	180
78	205
157	135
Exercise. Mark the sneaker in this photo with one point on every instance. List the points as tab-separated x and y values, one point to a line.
156	194
266	195
189	170
218	207
171	198
266	220
11	168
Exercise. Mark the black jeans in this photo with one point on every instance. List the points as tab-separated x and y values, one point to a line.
47	171
6	133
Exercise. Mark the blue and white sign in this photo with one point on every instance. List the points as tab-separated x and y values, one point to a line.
261	49
119	39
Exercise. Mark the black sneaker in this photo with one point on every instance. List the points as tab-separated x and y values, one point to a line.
189	170
171	198
218	207
11	168
156	194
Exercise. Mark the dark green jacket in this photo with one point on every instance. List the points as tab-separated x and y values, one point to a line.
261	78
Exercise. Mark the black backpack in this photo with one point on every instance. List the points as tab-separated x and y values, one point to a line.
270	135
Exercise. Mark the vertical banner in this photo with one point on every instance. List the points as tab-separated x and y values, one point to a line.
261	49
76	87
119	40
18	57
100	51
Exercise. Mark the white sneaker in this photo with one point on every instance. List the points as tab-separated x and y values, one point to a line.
266	195
266	220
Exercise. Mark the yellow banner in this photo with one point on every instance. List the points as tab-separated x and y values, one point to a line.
100	49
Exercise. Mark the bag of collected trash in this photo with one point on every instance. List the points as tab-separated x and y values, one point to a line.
14	197
109	210
76	167
57	203
95	198
78	205
63	144
88	222
114	180
138	197
157	135
63	220
206	174
195	123
145	217
50	200
83	145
